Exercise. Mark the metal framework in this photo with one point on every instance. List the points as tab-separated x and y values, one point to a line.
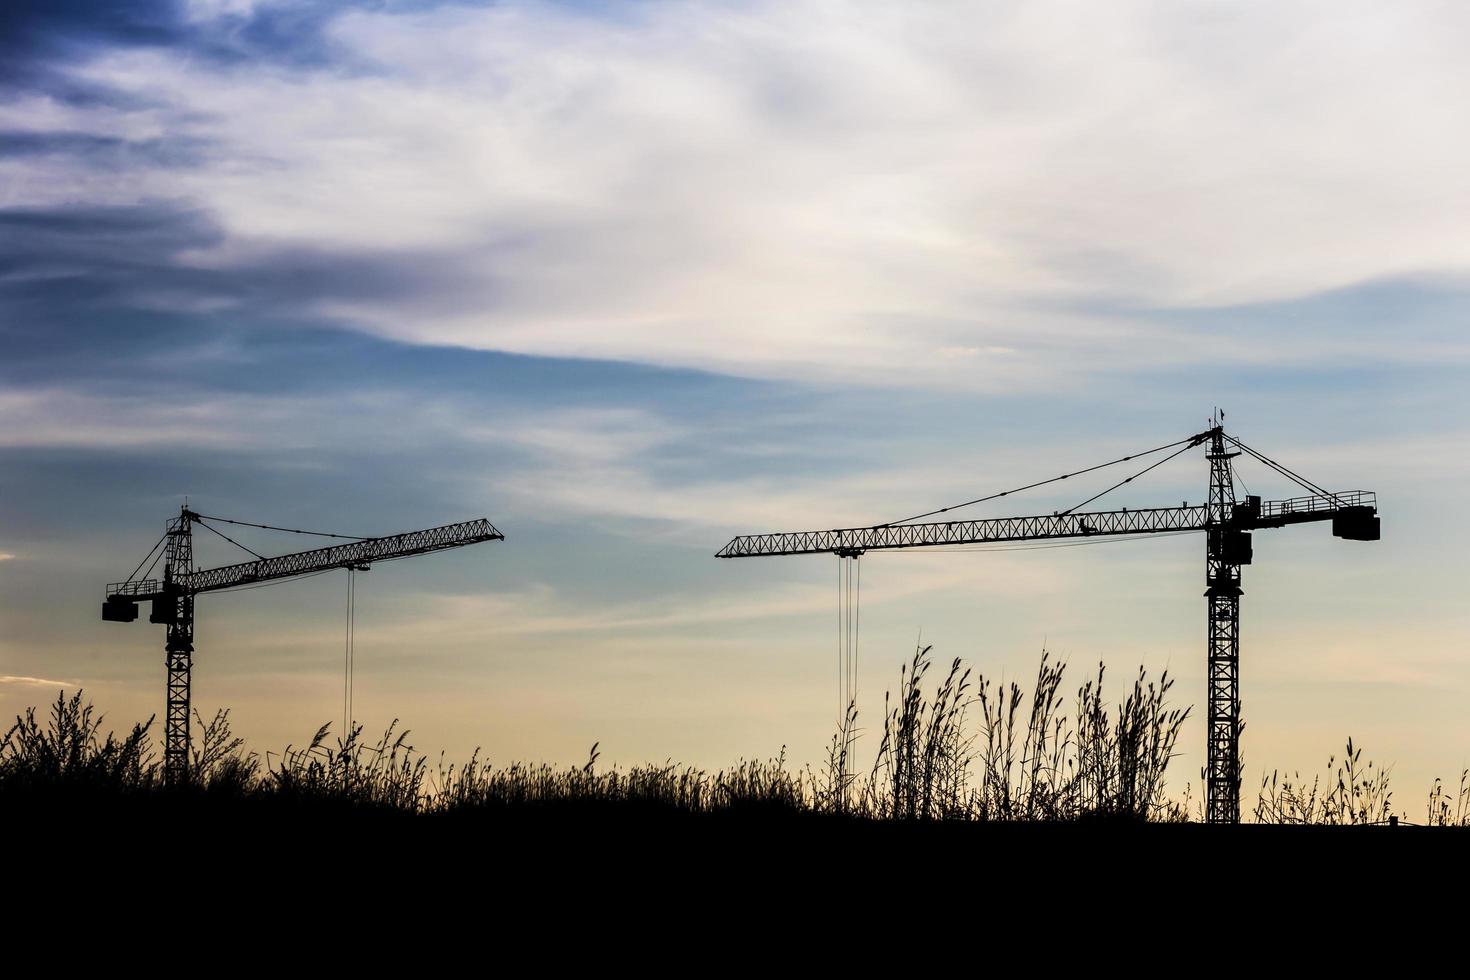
1227	524
1152	520
175	606
1222	592
173	599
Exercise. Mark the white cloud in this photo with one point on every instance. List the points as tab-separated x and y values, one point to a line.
57	417
12	679
907	194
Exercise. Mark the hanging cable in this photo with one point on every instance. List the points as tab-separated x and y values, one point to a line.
1235	474
1129	479
146	557
852	566
1294	477
846	636
857	624
348	653
290	530
1194	440
352	648
849	626
156	559
230	540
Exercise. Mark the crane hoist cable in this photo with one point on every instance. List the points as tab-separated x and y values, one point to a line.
349	643
849	571
349	653
849	594
849	626
841	637
1194	440
349	646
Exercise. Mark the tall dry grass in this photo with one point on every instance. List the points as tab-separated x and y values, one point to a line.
1024	758
953	746
1446	809
1357	793
69	751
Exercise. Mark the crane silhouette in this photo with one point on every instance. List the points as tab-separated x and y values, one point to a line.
172	597
1227	522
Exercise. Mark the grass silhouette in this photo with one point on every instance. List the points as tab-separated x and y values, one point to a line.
953	748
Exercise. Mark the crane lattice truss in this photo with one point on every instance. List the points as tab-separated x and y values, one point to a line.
1227	524
1152	520
173	596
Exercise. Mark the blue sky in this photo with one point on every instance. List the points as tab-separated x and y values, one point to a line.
630	279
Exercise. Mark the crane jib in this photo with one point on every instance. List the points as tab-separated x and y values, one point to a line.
352	554
1353	514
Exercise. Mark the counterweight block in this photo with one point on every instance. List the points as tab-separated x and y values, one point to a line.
118	609
1237	548
165	611
1356	524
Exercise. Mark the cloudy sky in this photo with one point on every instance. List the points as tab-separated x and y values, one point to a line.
631	278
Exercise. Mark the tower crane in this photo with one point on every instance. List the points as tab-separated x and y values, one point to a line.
1227	522
172	597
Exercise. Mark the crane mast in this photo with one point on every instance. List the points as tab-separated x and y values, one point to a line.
1227	523
173	597
175	609
1226	548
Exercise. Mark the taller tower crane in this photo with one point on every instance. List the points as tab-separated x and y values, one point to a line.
1226	521
172	597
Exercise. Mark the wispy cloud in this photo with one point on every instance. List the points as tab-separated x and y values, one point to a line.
12	679
59	417
956	196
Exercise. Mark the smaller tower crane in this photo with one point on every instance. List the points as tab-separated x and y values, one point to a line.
172	597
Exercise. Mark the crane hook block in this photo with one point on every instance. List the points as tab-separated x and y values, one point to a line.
1355	524
119	609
